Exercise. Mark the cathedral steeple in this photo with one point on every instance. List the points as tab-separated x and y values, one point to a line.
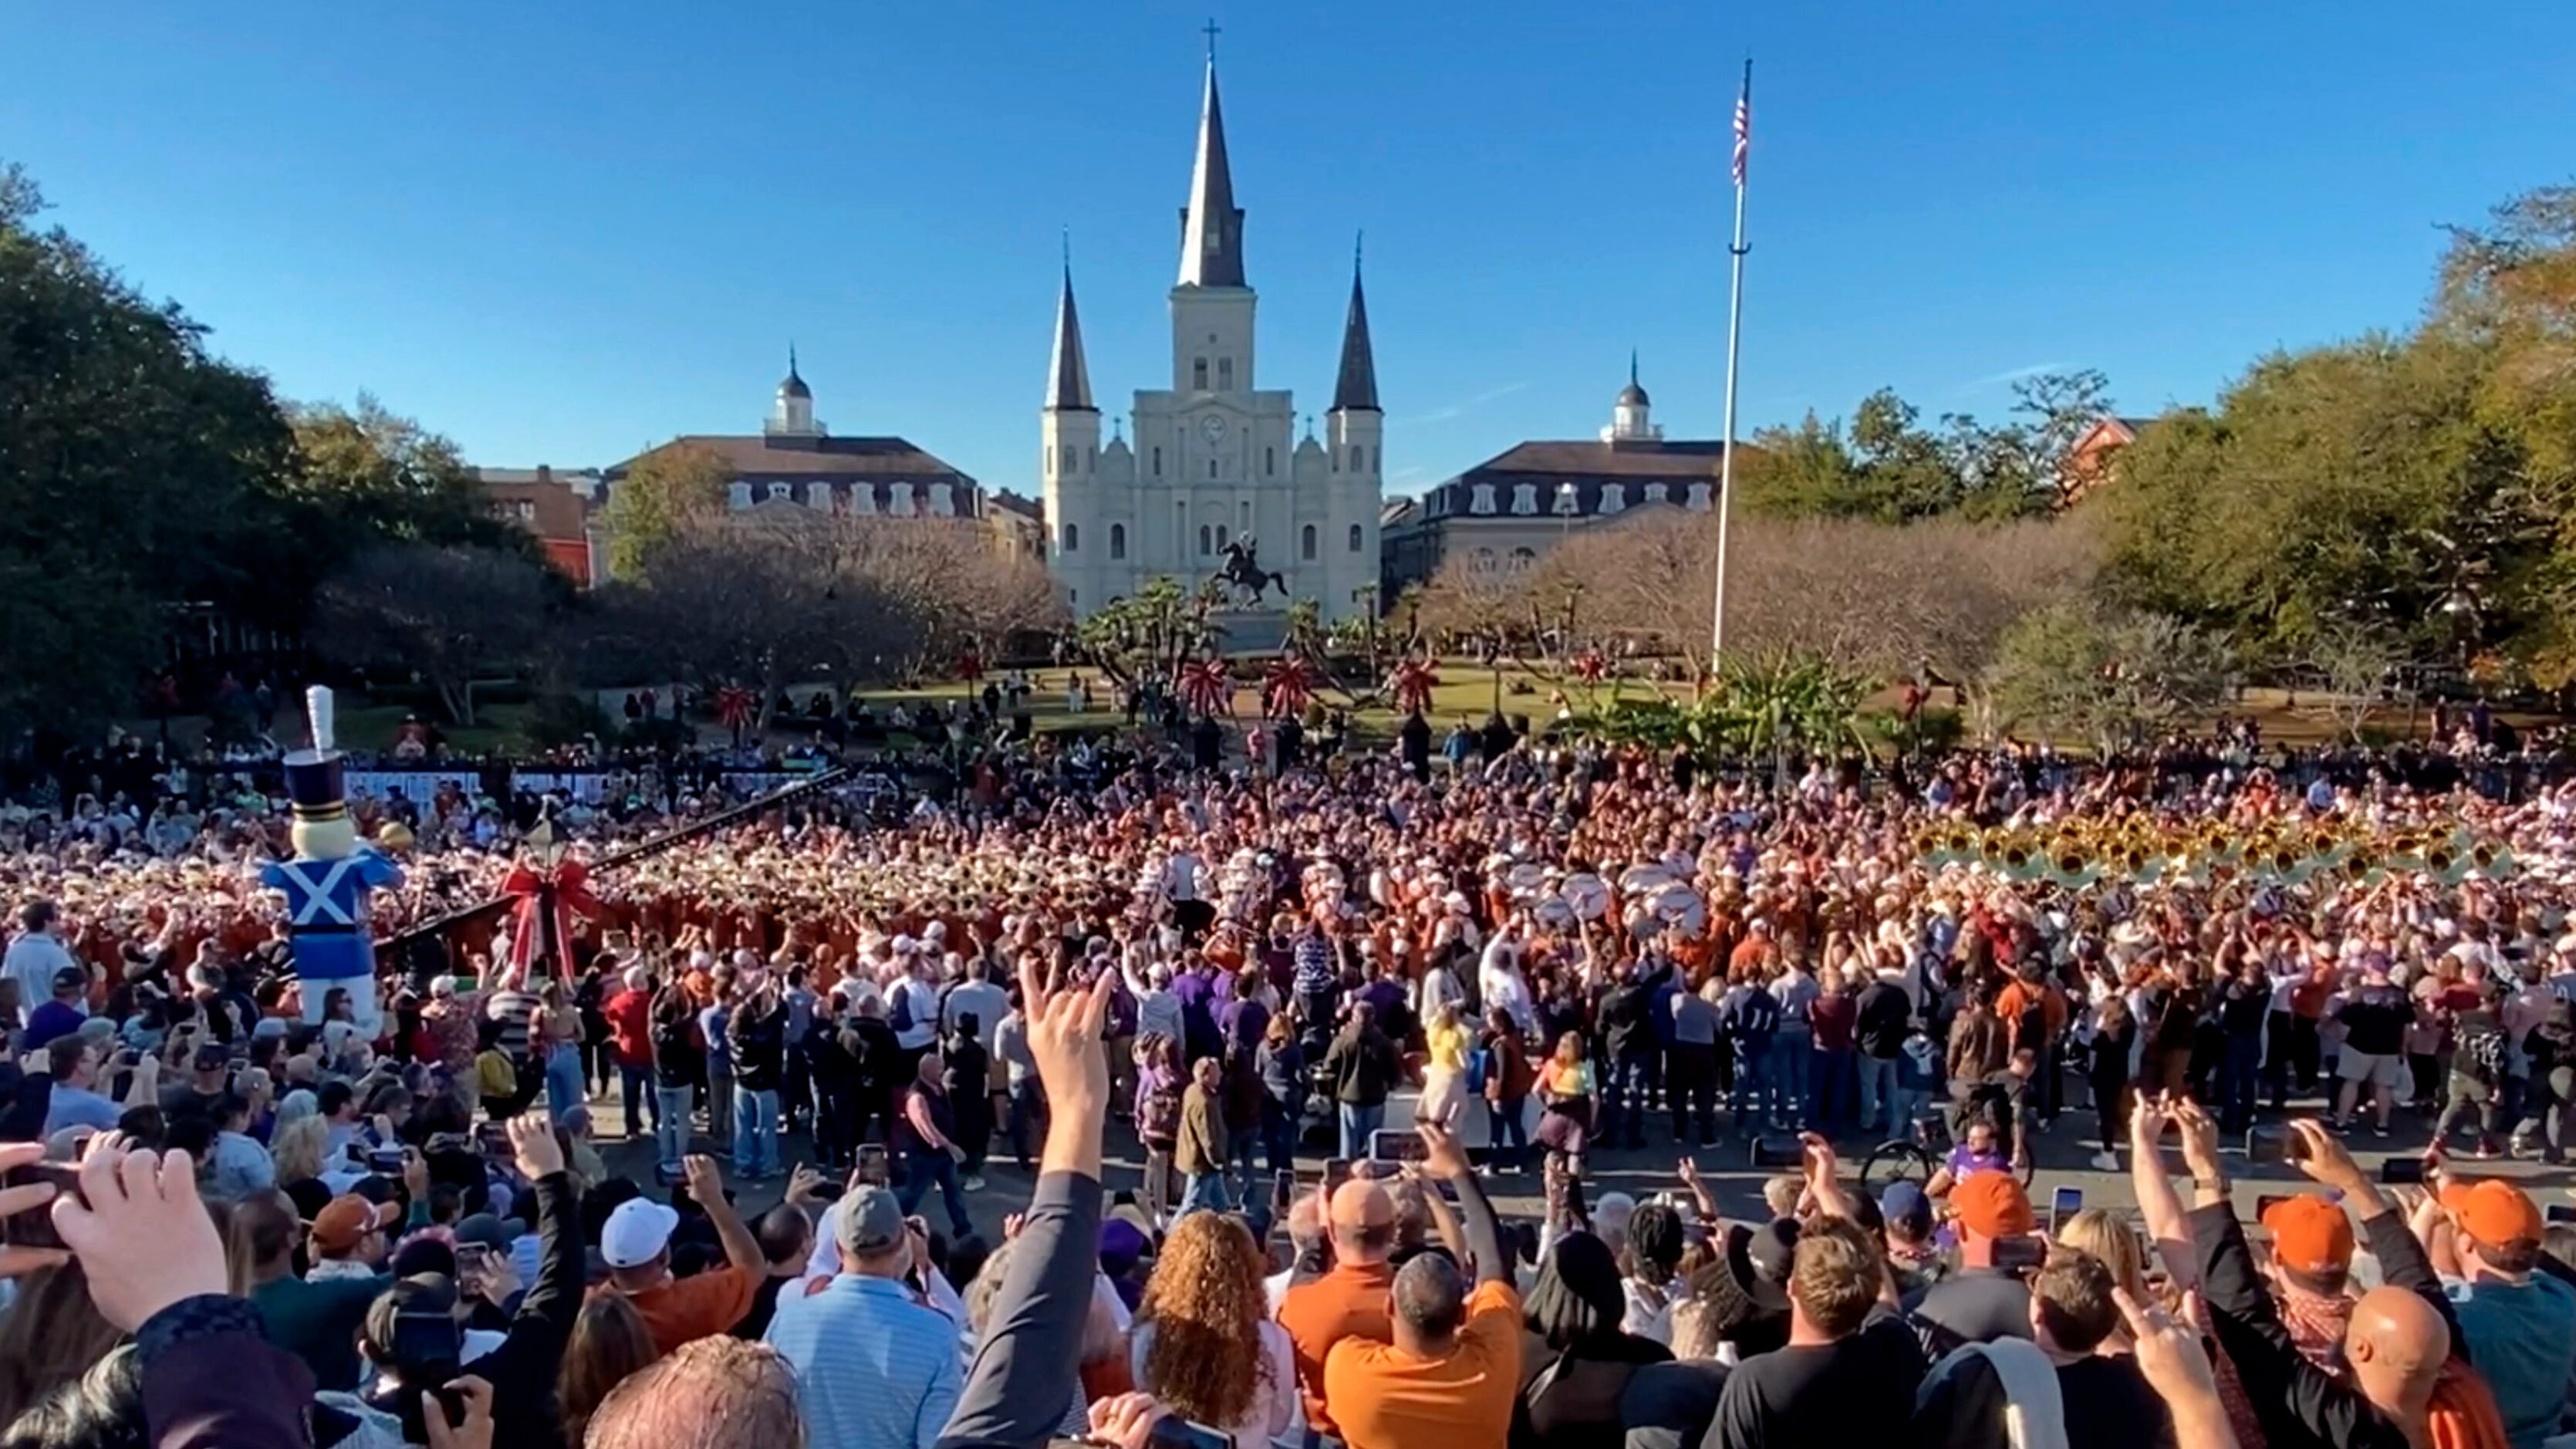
1355	386
1211	225
1068	379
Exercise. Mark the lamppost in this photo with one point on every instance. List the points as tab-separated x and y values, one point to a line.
547	848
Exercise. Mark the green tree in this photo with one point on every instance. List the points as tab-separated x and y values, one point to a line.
1887	466
662	495
2507	293
446	613
2109	677
2350	483
371	474
135	470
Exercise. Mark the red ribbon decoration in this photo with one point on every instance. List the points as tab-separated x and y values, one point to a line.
1205	687
1414	680
1286	686
735	707
527	930
1589	666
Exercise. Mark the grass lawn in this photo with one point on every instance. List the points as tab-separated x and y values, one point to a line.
1467	689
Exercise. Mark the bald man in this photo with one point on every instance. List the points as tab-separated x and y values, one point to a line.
2398	1339
1450	1367
1350	1301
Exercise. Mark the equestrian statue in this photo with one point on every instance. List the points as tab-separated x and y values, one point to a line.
1244	575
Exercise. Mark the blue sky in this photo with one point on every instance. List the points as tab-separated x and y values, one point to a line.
560	231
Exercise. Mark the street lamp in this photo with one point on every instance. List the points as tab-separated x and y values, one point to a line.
547	848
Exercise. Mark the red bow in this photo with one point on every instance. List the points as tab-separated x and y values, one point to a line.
1414	680
1589	666
1286	686
1205	687
735	706
527	932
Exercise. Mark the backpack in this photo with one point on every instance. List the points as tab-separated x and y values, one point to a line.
1159	1118
2483	1052
899	1008
1755	1017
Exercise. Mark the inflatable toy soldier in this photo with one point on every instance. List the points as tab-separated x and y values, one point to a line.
326	884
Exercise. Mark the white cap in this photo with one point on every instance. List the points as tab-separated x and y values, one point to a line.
636	1233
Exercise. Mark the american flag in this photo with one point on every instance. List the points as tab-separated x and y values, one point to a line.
1744	124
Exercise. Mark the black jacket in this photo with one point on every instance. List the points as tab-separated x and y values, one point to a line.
2297	1403
759	1041
1364	1067
1627	1014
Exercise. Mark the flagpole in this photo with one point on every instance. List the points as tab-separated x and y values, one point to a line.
1734	340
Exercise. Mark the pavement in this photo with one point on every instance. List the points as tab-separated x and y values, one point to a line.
2063	1155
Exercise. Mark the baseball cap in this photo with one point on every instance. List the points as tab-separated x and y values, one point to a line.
2493	1213
483	1230
1760	1260
2309	1234
346	1220
1992	1205
1903	1204
637	1232
871	1222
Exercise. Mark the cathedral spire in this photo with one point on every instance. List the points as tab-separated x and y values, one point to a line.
1211	225
1068	379
1355	387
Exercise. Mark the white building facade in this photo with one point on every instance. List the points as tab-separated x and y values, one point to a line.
1213	459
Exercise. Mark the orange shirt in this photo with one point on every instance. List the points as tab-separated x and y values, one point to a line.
679	1310
1386	1398
1348	1302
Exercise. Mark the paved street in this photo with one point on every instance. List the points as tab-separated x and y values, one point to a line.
2064	1158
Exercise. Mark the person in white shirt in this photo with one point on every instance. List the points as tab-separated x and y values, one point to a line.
1158	1010
36	955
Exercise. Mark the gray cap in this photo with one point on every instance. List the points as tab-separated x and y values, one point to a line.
871	1222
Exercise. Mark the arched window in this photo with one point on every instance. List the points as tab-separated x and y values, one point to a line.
1355	457
1269	461
1484	560
1158	462
1225	374
1211	467
1205	536
1198	374
1355	538
1117	540
1072	537
1306	543
1220	537
1522	558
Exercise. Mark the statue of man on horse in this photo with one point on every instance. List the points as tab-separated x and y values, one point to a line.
1244	575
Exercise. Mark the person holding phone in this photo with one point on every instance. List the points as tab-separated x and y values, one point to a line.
1450	1367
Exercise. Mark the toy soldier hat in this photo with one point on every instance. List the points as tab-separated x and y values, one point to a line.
314	777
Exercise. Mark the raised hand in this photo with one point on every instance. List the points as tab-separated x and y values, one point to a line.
532	1140
143	1237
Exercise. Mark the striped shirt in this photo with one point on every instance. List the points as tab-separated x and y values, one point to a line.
874	1369
513	1009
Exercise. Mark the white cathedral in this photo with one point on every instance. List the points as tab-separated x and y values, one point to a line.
1214	459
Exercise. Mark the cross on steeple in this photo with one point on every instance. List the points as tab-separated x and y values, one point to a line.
1210	31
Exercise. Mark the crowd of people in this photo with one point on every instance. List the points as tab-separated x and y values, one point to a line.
1310	991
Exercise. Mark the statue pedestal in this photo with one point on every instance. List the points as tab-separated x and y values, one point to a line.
1249	631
